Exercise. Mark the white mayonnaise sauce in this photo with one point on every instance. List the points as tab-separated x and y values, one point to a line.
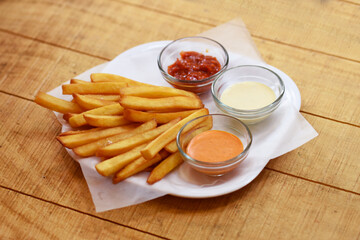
248	95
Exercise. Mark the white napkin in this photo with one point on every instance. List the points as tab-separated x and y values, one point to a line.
282	132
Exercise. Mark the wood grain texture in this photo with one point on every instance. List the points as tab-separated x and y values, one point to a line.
28	66
102	28
331	158
25	217
42	165
274	206
327	84
322	26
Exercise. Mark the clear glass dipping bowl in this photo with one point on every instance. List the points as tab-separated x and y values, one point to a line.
248	73
219	122
203	45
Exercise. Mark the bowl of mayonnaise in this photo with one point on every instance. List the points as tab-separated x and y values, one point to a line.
248	92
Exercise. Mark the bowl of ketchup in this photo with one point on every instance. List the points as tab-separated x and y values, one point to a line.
192	63
216	145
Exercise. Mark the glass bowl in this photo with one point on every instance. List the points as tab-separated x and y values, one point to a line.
206	46
219	122
248	73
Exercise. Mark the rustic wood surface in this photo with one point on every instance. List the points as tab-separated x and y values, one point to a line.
312	192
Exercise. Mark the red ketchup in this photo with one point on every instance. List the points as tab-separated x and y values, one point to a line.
194	66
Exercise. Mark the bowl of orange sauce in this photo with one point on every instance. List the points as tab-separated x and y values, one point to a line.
216	145
192	63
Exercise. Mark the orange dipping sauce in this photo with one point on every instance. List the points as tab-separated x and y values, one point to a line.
214	146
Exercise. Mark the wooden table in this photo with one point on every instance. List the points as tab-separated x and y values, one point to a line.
312	192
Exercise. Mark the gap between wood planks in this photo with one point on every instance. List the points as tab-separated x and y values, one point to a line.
350	2
78	211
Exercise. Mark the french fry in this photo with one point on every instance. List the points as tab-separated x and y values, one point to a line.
114	164
154	92
126	144
165	167
107	77
169	135
56	104
105	120
93	88
77	81
114	98
201	127
75	140
113	105
164	154
134	167
89	102
80	131
90	149
67	116
169	103
139	116
78	120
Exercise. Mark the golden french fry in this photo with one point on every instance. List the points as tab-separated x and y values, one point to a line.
126	144
114	164
93	88
164	154
80	131
78	120
56	104
67	116
89	102
77	81
114	98
154	92
169	135
75	140
165	167
105	120
134	167
169	103
139	116
201	127
107	77
90	149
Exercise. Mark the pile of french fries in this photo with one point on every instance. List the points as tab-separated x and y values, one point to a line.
131	126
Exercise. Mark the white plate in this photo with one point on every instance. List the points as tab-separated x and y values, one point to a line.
140	63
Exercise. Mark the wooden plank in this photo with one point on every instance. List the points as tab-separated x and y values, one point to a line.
28	66
324	26
273	205
102	29
330	158
25	217
327	84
